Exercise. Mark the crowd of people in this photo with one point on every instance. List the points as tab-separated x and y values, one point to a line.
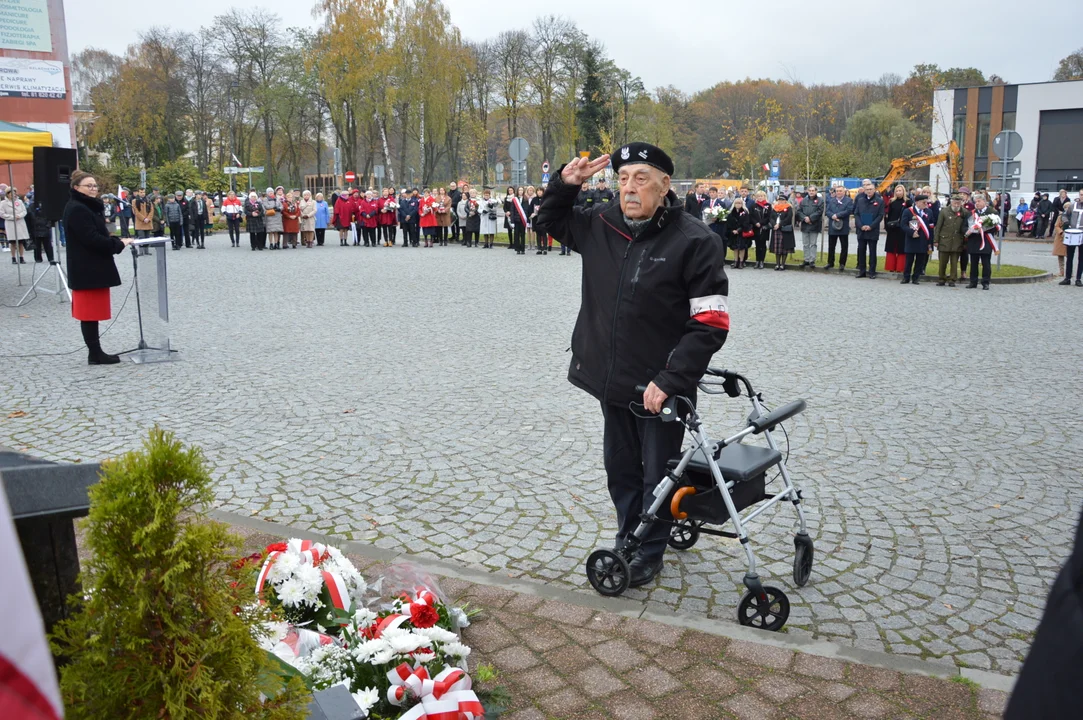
750	224
915	223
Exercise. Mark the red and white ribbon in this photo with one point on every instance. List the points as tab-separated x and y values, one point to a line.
311	553
977	227
336	588
446	697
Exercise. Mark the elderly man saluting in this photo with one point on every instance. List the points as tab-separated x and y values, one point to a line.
654	312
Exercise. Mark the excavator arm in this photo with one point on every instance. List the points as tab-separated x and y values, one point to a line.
900	166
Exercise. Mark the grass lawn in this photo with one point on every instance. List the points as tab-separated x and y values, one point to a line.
931	270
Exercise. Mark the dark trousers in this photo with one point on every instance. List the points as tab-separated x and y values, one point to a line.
195	231
470	236
1053	222
234	228
986	268
517	235
963	258
761	244
369	235
543	241
124	223
413	232
391	232
253	239
45	243
175	234
844	241
866	248
1067	263
1041	223
455	229
636	451
915	265
320	232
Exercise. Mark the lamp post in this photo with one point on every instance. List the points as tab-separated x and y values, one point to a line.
232	131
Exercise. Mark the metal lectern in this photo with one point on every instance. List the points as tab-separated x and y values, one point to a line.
151	301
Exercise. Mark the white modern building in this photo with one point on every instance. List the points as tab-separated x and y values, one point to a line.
1048	116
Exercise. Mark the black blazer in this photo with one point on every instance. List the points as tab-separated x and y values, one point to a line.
90	246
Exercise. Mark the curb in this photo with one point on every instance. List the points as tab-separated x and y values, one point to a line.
634	609
927	279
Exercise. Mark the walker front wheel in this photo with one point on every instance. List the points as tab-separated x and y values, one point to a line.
683	535
802	559
608	572
768	611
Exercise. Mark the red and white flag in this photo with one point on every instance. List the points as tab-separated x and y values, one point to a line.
766	167
121	192
28	688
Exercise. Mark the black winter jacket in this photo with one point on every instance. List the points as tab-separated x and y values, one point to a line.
654	308
90	246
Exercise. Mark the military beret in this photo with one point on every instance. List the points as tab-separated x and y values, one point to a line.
642	153
920	197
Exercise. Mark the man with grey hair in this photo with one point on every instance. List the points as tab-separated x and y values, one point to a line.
654	312
868	214
810	213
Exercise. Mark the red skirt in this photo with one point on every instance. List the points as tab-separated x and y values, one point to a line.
91	305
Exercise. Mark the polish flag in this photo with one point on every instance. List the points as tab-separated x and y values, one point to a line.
121	192
766	167
28	688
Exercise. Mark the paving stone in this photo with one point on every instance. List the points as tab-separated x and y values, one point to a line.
516	658
653	681
817	666
563	703
595	681
992	701
631	707
618	654
765	655
750	707
867	706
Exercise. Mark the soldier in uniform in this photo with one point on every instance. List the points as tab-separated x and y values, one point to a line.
602	194
949	238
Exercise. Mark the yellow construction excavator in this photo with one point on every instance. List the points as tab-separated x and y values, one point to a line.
900	166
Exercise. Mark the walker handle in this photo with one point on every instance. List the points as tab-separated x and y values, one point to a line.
776	416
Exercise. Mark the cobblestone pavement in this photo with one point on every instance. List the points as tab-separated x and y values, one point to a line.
417	401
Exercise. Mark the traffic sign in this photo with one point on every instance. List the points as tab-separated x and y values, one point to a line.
584	153
378	171
1007	144
350	176
545	177
545	167
518	149
774	168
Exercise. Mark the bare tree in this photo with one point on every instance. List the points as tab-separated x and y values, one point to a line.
512	50
89	68
548	70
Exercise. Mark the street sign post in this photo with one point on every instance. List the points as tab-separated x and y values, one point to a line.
1006	145
545	167
379	172
500	172
545	177
774	168
350	176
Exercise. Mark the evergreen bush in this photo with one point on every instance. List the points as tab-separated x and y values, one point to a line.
164	628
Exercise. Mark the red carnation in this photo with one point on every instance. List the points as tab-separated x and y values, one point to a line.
277	547
423	616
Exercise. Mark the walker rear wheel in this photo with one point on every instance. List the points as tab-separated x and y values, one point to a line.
767	612
684	535
608	572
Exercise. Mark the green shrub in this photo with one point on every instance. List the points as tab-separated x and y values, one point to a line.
160	631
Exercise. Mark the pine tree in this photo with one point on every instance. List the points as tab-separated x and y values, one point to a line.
594	114
160	631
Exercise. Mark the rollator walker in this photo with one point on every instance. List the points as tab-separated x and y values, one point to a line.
709	484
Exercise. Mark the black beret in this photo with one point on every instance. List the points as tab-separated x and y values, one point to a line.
920	197
642	153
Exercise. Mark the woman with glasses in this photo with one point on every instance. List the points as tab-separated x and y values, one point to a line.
91	269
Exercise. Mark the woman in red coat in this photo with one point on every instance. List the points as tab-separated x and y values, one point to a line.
344	216
291	221
386	217
366	212
427	213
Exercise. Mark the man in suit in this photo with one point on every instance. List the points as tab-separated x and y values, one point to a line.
693	202
198	217
868	214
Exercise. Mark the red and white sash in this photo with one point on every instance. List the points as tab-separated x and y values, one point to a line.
519	209
920	217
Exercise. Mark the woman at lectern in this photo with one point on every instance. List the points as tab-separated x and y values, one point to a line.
91	269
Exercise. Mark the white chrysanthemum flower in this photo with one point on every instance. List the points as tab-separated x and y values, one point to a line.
405	644
366	699
364	617
283	567
456	649
312	580
383	657
291	593
366	650
438	634
424	657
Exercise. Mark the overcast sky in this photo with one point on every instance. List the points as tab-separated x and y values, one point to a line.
695	45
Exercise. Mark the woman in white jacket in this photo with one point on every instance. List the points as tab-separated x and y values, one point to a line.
489	209
13	211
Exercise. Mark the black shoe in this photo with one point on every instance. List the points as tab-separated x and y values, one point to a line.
872	276
914	282
1079	283
644	570
941	284
971	286
842	268
985	286
951	284
904	281
861	275
829	266
102	359
1065	281
14	261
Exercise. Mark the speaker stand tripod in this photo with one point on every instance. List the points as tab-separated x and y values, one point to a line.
54	267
